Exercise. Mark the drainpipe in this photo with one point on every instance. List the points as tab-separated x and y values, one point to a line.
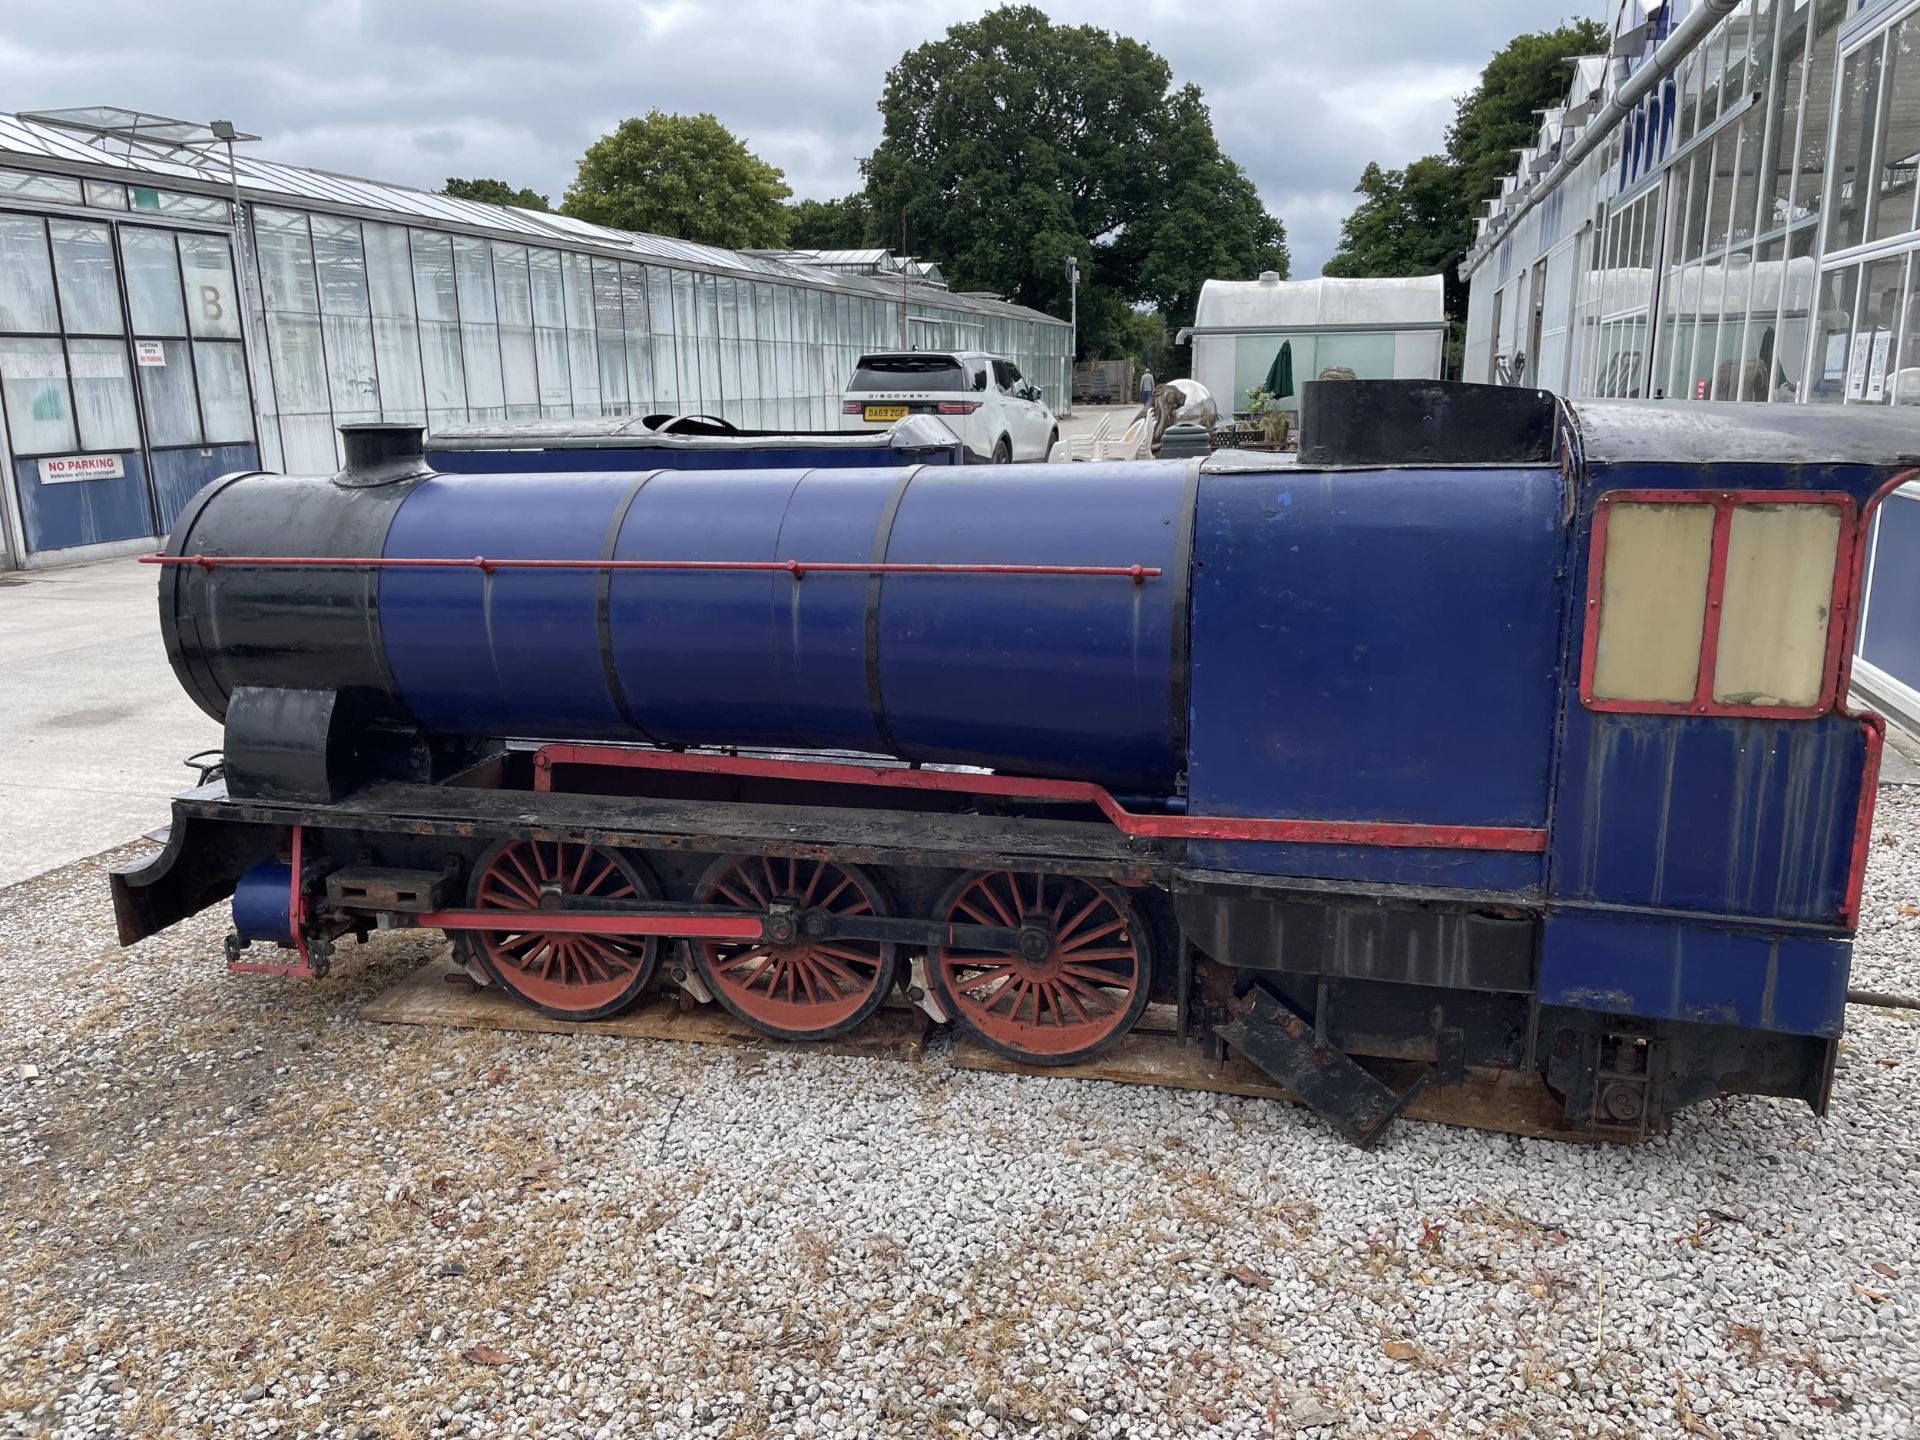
1684	39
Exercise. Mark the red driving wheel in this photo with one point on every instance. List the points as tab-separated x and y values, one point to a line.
569	975
807	989
1079	984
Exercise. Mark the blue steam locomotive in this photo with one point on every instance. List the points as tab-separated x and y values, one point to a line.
1491	733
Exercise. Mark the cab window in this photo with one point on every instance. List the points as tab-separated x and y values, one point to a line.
1716	603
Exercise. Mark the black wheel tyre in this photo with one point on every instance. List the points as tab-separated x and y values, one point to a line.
1052	440
1003	451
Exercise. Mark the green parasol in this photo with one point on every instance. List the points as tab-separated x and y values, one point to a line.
1279	382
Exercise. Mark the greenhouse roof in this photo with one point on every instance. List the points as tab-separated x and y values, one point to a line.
111	142
1410	303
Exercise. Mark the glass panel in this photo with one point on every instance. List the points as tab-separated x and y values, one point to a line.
556	389
1899	133
350	374
103	395
89	284
106	196
213	304
225	412
433	277
1853	147
577	275
153	282
486	385
33	384
1782	101
389	270
299	368
396	351
1833	325
445	376
26	186
166	392
1810	182
549	301
583	370
1879	321
1735	377
513	296
1653	602
26	276
1746	177
550	335
341	266
286	260
1798	287
1773	620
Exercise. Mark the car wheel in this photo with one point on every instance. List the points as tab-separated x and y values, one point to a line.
1053	439
1003	451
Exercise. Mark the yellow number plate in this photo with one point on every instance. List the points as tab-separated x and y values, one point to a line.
885	412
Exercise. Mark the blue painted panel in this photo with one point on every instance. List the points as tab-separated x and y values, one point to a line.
179	475
1387	864
84	512
1891	639
516	652
1663	970
1717	814
700	652
1377	645
1054	675
820	623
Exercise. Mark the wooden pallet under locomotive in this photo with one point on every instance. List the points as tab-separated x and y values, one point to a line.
441	993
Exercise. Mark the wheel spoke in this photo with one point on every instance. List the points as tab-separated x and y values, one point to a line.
1008	919
1087	937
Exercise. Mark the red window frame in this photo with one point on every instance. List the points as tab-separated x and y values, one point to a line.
1846	576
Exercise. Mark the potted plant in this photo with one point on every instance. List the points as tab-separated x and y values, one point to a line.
1268	415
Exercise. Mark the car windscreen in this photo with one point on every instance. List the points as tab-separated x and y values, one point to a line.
908	372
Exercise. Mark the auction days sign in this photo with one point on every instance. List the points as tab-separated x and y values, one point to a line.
63	469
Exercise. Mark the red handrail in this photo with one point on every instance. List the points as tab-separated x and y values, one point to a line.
798	569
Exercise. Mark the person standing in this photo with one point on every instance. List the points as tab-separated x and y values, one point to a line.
1146	388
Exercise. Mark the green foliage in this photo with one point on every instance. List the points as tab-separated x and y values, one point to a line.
1013	143
843	224
1496	117
687	176
1420	220
493	192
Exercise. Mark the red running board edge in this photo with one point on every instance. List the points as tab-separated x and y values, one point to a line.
1159	827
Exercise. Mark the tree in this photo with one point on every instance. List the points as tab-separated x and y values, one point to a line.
1012	144
1420	220
1408	222
1497	116
493	192
843	224
686	176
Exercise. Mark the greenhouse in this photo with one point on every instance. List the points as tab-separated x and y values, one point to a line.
172	309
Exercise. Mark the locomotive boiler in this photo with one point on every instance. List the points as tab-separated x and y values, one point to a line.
1494	733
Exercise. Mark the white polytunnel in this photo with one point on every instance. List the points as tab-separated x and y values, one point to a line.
1391	329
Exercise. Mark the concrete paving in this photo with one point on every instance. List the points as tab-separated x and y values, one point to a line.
93	726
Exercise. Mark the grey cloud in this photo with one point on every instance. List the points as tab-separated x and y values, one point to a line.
1303	92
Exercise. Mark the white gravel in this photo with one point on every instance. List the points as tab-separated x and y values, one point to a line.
231	1208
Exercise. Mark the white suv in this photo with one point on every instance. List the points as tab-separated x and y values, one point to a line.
998	416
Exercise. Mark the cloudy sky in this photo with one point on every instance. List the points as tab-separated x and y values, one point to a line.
1303	92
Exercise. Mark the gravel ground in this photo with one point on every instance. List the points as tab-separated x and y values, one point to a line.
231	1208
